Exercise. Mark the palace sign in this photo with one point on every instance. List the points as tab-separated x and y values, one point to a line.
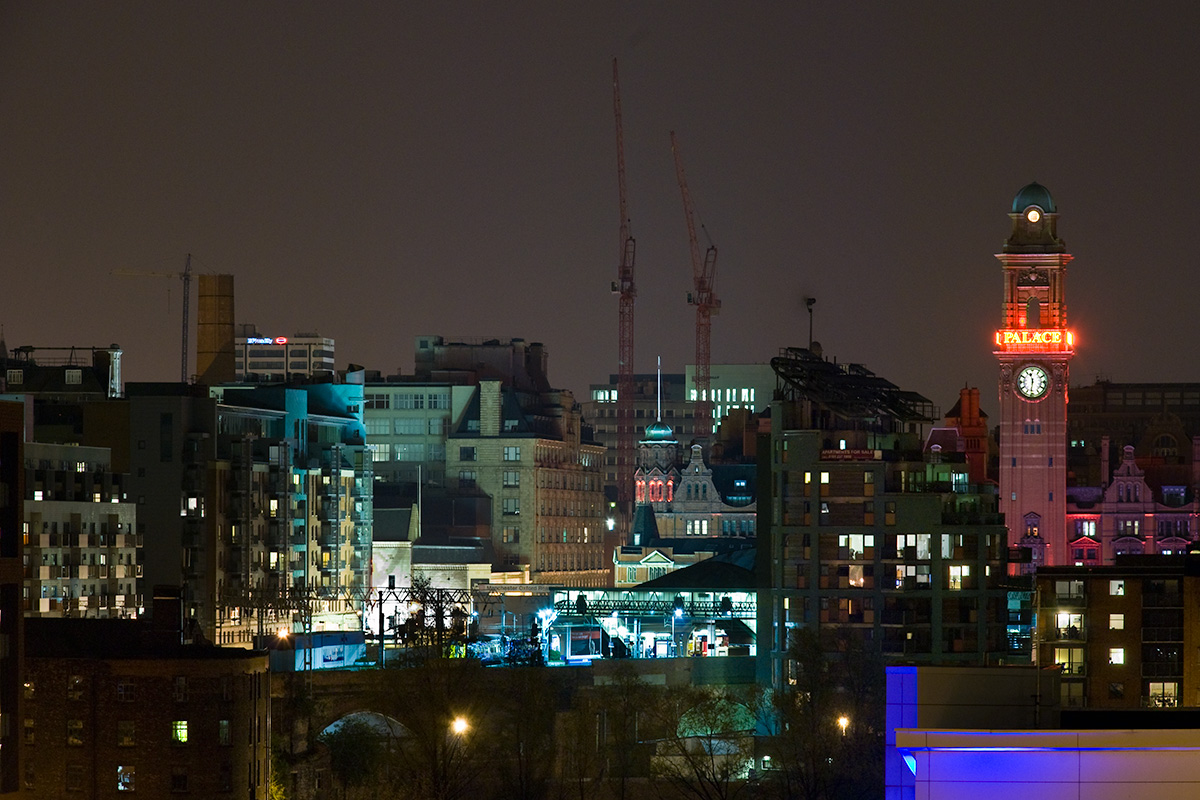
1035	340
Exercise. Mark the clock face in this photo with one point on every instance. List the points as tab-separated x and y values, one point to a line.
1032	382
1033	215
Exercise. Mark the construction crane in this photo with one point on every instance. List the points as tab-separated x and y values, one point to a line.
626	290
186	277
703	297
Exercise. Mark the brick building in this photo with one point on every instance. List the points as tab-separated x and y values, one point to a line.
1122	633
116	706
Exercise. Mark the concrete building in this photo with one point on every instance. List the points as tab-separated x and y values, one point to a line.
479	420
862	529
63	374
250	497
734	386
543	473
83	549
1121	633
260	358
1034	348
115	706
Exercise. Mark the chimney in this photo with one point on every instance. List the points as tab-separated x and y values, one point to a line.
215	327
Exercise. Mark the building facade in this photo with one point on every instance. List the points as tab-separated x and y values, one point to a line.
861	530
543	472
1034	348
1122	633
83	549
110	708
253	498
262	358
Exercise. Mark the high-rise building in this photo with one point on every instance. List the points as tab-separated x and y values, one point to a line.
863	530
1034	348
253	498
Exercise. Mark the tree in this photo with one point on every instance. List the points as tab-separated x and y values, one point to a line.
354	752
522	750
832	677
444	706
706	739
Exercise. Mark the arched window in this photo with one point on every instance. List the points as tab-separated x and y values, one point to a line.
1033	313
1165	446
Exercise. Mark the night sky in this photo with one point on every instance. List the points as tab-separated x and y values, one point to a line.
376	171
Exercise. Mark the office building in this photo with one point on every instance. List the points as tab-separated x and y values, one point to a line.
263	358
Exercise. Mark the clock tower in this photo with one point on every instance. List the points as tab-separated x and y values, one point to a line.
1034	348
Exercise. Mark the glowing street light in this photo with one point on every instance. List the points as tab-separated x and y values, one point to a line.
459	726
843	721
674	643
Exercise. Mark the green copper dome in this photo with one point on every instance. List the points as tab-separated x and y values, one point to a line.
1034	195
659	432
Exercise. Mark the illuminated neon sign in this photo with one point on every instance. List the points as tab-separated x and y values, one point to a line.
1035	339
266	340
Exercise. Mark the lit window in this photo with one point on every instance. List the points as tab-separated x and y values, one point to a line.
224	735
1116	588
126	733
1116	655
75	733
1116	622
179	731
125	779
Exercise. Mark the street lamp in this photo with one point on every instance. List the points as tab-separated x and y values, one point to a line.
459	726
674	643
843	721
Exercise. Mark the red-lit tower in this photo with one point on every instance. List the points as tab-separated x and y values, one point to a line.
1034	348
703	297
626	291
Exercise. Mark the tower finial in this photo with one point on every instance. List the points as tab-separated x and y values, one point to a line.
658	414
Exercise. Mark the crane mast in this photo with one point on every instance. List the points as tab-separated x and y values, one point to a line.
703	297
626	290
186	277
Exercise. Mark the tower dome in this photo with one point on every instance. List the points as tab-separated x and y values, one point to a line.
1034	195
659	432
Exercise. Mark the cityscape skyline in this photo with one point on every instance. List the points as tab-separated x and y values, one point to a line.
378	172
